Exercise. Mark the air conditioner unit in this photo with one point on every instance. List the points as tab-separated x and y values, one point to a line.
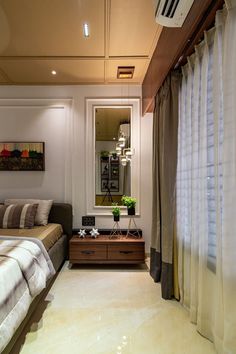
172	13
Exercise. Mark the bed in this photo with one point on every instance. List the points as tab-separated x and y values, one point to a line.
50	244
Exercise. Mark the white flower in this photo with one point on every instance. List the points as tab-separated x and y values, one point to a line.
82	233
94	233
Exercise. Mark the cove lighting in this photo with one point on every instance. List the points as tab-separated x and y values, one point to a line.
86	29
125	72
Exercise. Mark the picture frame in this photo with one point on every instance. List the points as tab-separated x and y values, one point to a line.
114	171
114	185
104	185
22	156
109	185
104	169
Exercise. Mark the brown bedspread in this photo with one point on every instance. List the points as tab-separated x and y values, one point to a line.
48	234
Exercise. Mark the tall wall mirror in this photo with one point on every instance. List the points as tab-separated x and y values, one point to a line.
113	137
112	145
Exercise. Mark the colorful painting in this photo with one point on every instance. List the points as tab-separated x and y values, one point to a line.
21	156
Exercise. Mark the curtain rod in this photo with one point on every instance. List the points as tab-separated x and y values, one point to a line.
207	21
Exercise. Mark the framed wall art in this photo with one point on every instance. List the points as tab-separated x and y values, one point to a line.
22	156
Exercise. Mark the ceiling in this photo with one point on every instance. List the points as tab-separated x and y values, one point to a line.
38	36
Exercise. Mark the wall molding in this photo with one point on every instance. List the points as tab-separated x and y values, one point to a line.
134	103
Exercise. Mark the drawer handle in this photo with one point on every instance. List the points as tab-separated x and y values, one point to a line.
88	252
126	252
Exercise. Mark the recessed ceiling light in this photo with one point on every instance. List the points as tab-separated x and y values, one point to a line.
53	72
125	72
86	29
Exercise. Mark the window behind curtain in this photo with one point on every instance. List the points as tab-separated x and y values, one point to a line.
214	170
193	179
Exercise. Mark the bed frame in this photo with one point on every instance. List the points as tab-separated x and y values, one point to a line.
61	213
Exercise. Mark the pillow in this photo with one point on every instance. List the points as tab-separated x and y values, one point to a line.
44	207
15	216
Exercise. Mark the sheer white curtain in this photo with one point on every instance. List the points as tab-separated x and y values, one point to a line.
228	242
206	184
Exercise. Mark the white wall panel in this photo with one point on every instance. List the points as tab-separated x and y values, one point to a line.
48	124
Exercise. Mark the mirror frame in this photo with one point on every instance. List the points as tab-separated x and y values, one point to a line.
91	105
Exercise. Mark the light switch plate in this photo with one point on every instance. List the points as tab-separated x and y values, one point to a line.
88	220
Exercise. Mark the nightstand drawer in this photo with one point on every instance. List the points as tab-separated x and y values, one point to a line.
88	252
106	250
126	252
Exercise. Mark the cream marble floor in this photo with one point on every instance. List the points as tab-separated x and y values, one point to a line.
111	311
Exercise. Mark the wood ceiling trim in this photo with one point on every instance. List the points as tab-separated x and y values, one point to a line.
171	46
28	57
129	57
155	40
72	57
46	83
107	17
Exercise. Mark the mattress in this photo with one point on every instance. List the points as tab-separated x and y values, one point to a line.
48	234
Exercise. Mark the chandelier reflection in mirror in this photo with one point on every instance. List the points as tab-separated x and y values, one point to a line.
123	149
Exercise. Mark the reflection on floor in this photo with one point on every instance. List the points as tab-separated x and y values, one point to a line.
111	310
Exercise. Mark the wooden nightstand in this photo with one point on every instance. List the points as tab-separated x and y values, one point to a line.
104	250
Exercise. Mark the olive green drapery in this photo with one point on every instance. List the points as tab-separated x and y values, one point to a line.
163	265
